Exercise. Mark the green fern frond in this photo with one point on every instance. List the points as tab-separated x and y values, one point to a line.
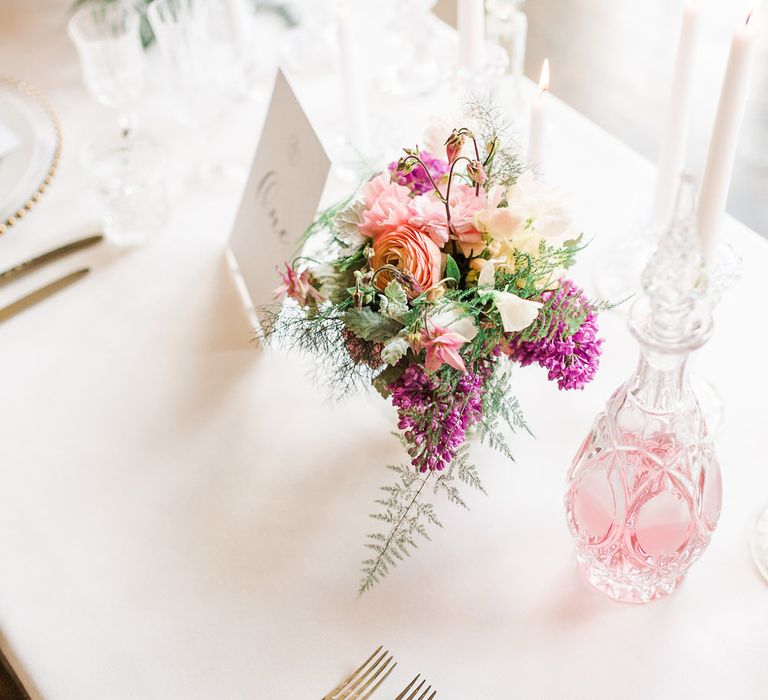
410	516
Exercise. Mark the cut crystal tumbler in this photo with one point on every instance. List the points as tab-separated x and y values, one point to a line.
644	491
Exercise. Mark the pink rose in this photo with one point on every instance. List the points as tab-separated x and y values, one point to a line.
413	253
387	206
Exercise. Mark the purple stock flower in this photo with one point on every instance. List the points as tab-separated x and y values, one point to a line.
416	180
435	418
569	357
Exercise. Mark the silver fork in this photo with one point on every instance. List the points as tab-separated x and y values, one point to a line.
361	679
416	690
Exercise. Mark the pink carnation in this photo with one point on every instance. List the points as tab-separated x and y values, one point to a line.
387	206
428	213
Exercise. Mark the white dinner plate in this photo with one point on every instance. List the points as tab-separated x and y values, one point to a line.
30	143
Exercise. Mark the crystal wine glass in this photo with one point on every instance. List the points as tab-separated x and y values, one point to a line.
127	169
108	40
192	68
181	28
311	48
412	67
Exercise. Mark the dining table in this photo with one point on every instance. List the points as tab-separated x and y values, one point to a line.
183	512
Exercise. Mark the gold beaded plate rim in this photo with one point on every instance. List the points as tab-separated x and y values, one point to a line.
26	90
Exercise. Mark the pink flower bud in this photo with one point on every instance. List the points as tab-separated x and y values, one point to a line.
453	145
476	172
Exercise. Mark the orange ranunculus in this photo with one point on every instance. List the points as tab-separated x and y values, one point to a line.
410	251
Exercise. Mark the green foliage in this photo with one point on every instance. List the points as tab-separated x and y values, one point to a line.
395	350
500	409
393	302
452	269
409	517
321	336
504	166
145	30
281	10
550	315
530	270
462	470
369	325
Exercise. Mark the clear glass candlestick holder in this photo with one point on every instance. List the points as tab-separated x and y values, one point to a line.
622	258
507	25
644	492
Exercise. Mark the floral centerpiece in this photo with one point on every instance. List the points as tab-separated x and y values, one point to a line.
430	281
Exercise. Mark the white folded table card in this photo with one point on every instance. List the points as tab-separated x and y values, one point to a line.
280	199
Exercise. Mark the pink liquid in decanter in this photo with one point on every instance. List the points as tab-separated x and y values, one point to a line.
642	509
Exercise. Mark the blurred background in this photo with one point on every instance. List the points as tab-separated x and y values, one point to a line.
594	46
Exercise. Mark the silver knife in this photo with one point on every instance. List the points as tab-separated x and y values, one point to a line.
32	264
43	293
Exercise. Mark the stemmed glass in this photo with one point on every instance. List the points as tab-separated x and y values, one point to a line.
126	168
182	33
108	40
193	71
412	68
310	48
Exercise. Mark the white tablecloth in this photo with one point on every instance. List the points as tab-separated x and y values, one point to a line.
182	517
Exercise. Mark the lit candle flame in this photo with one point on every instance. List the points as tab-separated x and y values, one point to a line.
544	76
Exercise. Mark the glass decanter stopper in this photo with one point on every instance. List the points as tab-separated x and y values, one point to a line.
644	491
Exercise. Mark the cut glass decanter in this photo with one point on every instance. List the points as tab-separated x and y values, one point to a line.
644	491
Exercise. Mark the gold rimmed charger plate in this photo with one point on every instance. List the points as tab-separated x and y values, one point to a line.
31	126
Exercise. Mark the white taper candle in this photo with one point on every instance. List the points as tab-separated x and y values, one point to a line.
722	145
471	24
537	131
674	139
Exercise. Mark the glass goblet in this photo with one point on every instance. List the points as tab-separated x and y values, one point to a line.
108	40
183	29
413	64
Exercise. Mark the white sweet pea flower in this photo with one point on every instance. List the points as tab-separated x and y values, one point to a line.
454	318
487	275
516	313
543	205
500	223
